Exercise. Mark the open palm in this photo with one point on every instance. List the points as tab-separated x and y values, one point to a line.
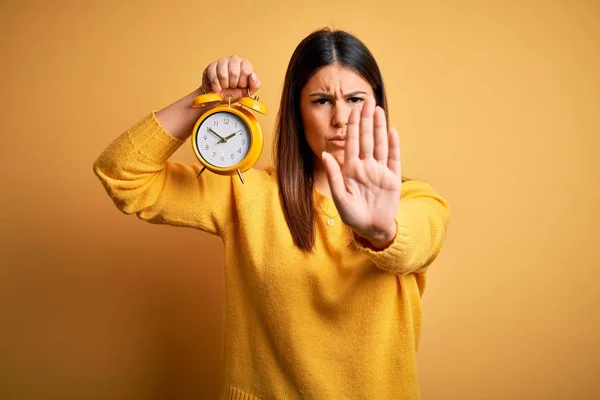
366	188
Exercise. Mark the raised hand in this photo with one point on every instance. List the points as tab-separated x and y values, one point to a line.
230	76
366	188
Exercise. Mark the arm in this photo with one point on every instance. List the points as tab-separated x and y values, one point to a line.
421	221
178	119
399	225
135	171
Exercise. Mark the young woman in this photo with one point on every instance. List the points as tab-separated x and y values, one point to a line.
326	252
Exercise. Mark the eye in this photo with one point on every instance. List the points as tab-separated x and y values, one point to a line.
321	100
355	99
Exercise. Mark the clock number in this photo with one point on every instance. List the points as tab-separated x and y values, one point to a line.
216	123
206	148
205	137
240	151
243	141
214	152
236	124
232	156
222	158
226	121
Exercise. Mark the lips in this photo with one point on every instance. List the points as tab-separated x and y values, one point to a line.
339	141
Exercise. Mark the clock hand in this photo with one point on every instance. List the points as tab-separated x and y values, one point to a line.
233	134
223	140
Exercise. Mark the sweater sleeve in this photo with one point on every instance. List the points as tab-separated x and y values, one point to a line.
421	221
135	172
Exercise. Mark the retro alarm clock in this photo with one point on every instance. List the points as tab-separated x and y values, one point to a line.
227	139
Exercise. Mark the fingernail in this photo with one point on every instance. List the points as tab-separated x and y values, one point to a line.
253	77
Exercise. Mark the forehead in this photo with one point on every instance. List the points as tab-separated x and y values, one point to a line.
336	79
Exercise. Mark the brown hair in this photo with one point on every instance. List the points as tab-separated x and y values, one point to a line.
294	159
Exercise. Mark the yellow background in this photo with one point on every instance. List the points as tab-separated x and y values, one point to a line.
497	104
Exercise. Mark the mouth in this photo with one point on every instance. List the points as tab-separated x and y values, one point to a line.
338	141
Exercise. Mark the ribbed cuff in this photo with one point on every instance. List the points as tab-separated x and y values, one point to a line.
233	393
405	254
389	258
150	138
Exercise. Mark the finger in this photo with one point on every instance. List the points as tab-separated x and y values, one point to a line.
234	71
223	72
254	83
366	129
380	134
334	176
394	152
210	81
245	70
352	132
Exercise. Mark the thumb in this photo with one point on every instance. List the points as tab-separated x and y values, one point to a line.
334	176
254	83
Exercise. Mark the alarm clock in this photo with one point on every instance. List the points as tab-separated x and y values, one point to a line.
227	139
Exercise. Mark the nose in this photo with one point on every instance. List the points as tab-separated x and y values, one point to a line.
341	113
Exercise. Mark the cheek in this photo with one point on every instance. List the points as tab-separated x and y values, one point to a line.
315	125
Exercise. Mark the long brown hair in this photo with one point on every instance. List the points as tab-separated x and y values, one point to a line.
293	157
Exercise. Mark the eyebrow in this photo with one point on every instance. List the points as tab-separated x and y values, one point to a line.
327	95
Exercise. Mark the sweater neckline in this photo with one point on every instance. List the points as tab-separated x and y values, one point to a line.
324	204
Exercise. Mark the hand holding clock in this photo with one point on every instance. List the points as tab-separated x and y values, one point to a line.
230	77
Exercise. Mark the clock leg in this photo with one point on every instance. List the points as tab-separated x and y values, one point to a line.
200	173
240	175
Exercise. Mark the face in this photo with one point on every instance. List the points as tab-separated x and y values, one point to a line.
326	101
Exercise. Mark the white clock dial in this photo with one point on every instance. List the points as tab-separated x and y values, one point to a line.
223	139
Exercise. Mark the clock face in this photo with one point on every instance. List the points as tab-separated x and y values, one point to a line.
223	139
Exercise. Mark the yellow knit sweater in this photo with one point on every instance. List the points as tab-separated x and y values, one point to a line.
341	323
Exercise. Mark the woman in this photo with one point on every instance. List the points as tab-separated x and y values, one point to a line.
326	254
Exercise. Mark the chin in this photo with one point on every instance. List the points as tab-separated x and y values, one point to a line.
339	156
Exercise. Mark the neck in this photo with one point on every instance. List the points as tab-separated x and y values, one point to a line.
321	182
